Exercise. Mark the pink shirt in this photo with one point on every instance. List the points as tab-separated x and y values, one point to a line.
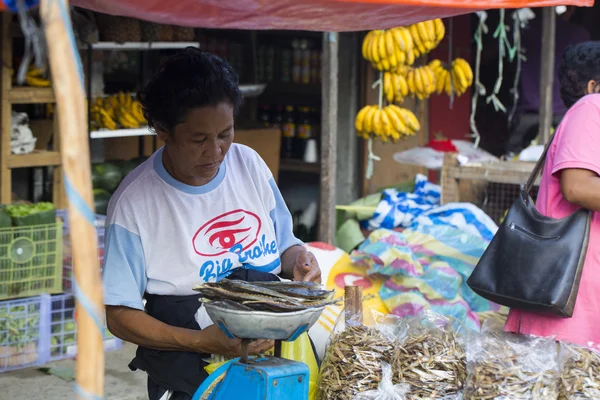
576	145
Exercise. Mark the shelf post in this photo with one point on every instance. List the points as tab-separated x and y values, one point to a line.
329	134
547	73
5	150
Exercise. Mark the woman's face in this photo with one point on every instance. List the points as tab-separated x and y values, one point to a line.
196	148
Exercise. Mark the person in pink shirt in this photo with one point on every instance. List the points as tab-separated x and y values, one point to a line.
571	180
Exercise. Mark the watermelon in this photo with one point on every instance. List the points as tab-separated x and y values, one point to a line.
101	199
128	166
109	176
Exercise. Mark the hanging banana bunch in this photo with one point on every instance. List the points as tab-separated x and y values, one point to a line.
395	87
388	50
421	82
118	111
427	35
452	79
387	123
37	78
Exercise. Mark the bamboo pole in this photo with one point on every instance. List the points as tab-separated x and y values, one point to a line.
353	312
67	78
547	74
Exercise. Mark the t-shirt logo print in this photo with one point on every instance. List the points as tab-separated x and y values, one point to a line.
231	240
219	235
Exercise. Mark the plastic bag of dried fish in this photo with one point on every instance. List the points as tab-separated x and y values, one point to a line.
505	366
580	373
429	354
386	390
353	361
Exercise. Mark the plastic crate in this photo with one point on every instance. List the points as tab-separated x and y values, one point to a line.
22	326
30	260
68	255
63	330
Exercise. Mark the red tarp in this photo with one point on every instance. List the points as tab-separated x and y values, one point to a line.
313	15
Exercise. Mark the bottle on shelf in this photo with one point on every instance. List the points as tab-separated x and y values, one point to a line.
277	119
286	65
304	131
288	133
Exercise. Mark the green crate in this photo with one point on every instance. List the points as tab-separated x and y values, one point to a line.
30	260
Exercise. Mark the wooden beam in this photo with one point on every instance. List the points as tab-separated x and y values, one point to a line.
353	311
31	95
38	158
329	133
6	113
547	73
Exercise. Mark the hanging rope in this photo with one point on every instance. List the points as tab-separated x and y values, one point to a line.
479	88
450	55
35	44
519	22
372	157
503	46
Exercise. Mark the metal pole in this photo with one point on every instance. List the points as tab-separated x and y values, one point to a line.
329	133
547	73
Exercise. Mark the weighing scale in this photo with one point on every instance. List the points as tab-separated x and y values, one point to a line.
259	378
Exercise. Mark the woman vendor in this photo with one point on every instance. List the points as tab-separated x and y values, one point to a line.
200	209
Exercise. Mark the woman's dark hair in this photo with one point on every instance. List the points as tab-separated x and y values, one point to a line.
188	80
580	64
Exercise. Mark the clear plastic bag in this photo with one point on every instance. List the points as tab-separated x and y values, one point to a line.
504	366
386	390
580	372
353	360
429	354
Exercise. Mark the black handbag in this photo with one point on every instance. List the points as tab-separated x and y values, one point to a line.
534	262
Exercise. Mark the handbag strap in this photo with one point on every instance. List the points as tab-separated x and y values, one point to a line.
537	170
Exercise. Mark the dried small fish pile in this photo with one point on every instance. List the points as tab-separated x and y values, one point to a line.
580	375
265	296
353	363
502	369
432	362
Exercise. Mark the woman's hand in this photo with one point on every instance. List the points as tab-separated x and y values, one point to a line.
214	341
306	268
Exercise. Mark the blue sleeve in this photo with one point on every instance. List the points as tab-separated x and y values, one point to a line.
124	271
282	220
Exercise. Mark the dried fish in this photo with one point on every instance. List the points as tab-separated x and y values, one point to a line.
432	362
275	297
511	367
580	375
353	363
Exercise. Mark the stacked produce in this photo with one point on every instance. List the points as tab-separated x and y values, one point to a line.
19	334
390	122
118	111
265	296
353	363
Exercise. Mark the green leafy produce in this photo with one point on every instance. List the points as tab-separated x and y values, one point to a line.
101	199
19	325
23	214
5	219
108	176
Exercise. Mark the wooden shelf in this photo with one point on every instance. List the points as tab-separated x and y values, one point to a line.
31	95
118	133
140	46
291	165
290	88
38	158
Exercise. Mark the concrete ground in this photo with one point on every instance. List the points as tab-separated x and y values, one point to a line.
120	382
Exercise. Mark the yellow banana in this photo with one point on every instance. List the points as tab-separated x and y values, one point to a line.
418	83
450	84
388	89
397	123
377	124
466	69
422	30
399	39
388	129
381	48
462	81
37	82
366	44
373	47
401	82
368	121
441	81
440	30
430	29
407	38
359	122
389	42
411	120
419	46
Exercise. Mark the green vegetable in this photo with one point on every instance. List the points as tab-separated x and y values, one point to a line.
108	176
32	214
5	219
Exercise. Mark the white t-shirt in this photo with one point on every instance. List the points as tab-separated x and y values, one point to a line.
163	236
